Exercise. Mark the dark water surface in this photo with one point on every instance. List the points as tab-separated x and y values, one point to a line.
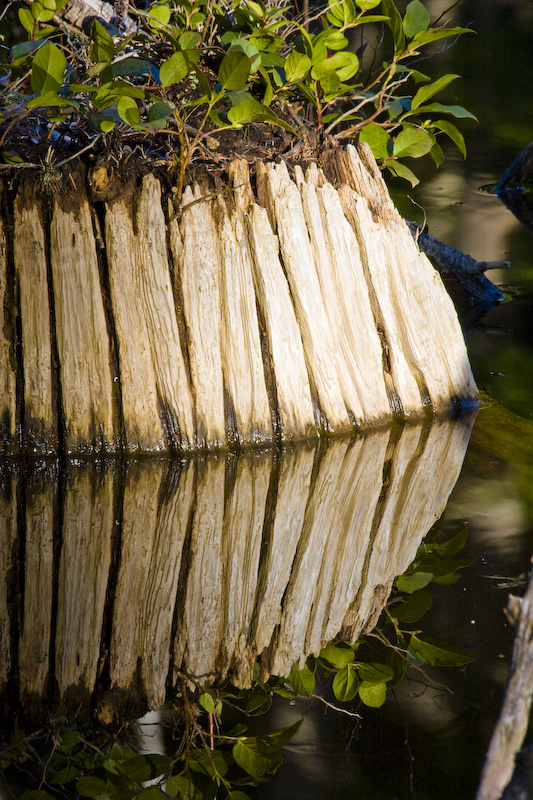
426	742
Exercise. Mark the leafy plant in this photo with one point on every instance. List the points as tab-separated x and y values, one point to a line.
198	69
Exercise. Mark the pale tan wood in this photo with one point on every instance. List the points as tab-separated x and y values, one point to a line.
138	384
294	407
249	418
35	635
431	334
82	338
176	406
292	494
139	521
8	535
356	344
311	316
200	275
513	722
40	420
8	414
243	528
201	626
83	576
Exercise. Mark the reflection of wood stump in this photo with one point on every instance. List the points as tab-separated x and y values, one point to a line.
302	308
205	566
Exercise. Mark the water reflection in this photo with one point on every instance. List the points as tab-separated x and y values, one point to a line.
115	577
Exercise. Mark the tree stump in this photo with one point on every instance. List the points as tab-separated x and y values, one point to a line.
297	308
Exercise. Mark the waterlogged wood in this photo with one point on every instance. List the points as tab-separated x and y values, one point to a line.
292	494
249	417
294	406
139	391
40	420
8	414
81	331
200	271
176	405
200	629
8	538
35	636
243	528
286	209
83	576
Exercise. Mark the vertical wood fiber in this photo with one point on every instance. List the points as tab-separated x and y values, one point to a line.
82	338
176	405
8	537
8	399
40	420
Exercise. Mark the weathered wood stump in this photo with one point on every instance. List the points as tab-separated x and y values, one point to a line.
301	308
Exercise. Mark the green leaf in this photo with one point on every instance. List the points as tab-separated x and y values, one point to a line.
344	64
336	41
250	110
90	786
375	673
373	694
413	582
10	158
455	111
145	768
208	762
207	702
36	794
237	795
65	775
401	171
255	757
128	111
107	125
27	19
342	11
425	92
457	542
377	139
367	4
345	684
426	37
182	787
174	69
158	16
437	154
412	609
413	142
234	70
284	734
416	19
103	48
48	69
395	24
302	680
189	40
151	793
43	10
437	654
297	66
339	655
49	99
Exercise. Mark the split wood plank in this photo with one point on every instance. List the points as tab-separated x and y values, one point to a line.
83	576
81	330
40	419
298	261
8	399
293	401
8	537
200	276
176	406
143	428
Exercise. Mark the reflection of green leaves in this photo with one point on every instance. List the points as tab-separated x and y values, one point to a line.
437	654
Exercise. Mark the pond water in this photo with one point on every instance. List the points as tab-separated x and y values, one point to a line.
427	741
